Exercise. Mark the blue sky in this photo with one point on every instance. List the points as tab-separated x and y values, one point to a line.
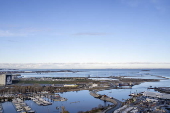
85	31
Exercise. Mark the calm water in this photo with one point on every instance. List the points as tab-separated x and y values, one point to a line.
84	99
77	101
101	73
122	94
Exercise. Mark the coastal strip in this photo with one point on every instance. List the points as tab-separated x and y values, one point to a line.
116	103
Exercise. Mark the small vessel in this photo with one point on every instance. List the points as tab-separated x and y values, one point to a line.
57	95
32	111
23	112
63	99
132	94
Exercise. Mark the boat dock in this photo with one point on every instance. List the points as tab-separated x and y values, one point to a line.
40	101
21	106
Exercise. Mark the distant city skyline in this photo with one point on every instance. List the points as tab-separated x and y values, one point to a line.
76	33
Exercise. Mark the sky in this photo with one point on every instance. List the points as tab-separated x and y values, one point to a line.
106	33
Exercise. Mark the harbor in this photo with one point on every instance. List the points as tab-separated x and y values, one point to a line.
74	99
97	94
21	106
85	56
40	101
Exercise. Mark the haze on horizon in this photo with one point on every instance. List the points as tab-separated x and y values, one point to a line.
117	33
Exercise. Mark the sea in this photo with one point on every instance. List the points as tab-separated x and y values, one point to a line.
82	100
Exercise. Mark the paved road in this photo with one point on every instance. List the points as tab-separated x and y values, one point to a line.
117	105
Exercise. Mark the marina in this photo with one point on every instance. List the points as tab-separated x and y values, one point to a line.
40	101
85	56
21	106
84	98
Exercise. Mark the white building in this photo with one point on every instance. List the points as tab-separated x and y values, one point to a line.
94	85
70	85
157	95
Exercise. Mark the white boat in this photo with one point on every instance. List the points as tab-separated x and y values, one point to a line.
32	111
132	94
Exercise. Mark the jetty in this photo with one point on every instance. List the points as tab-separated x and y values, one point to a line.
116	103
94	94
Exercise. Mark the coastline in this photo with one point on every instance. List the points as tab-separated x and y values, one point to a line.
106	90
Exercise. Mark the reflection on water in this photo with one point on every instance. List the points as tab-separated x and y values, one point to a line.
82	100
101	73
123	93
77	101
8	107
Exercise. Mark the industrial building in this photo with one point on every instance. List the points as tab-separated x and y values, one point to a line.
5	79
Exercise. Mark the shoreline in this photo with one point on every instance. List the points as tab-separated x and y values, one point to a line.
119	83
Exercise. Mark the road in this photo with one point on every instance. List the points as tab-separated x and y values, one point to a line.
118	104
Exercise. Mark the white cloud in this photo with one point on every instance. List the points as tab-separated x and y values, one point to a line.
90	33
132	65
7	33
23	32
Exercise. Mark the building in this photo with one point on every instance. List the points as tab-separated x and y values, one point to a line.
5	79
70	85
156	95
93	85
